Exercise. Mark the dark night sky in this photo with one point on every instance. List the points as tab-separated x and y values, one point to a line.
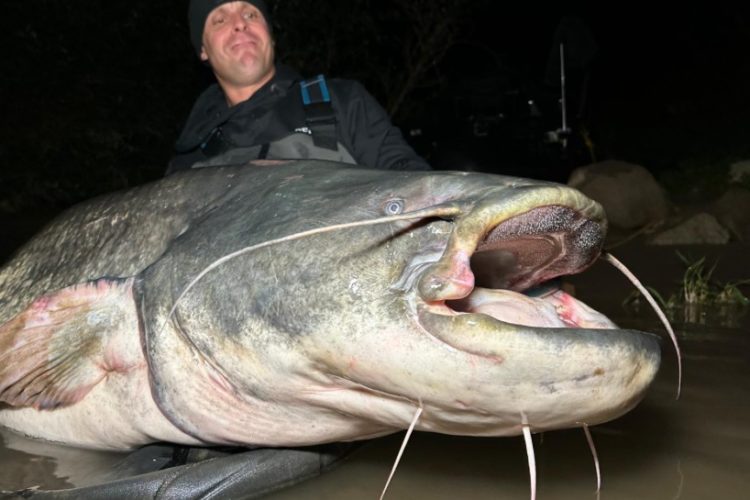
671	76
103	88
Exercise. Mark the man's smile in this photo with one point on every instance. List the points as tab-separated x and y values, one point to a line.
242	42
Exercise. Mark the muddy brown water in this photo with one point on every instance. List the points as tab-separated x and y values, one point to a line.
695	448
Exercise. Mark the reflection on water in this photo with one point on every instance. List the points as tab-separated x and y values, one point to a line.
25	463
729	315
725	315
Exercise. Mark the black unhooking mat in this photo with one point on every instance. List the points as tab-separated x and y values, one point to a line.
166	472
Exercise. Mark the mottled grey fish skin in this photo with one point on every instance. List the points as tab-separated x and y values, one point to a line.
114	235
303	304
342	335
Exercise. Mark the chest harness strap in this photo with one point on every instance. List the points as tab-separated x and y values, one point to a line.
319	114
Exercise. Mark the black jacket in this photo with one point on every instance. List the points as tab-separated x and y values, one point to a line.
275	112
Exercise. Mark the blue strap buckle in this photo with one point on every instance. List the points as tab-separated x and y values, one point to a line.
315	91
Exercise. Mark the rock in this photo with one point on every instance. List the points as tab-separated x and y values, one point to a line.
733	211
739	172
629	193
701	229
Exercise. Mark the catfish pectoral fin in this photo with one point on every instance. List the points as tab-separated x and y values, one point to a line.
63	344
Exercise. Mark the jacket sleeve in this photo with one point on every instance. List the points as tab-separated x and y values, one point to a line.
371	137
183	161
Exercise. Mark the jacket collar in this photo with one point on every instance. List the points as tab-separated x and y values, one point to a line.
211	110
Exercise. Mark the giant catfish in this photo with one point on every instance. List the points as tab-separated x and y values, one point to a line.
310	302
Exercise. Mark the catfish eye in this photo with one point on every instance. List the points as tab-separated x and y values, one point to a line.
393	207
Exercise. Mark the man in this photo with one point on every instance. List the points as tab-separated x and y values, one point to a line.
258	109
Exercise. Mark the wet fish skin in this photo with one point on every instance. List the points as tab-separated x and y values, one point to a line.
334	336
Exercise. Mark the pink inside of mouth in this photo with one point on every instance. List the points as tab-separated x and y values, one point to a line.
556	309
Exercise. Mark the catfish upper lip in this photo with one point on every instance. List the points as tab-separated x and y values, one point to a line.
549	239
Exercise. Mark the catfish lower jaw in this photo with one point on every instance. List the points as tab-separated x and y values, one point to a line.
557	377
468	324
553	308
475	323
465	332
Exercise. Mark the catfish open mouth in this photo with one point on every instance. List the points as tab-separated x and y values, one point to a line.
495	287
515	265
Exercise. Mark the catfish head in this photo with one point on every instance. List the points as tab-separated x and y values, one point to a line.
321	303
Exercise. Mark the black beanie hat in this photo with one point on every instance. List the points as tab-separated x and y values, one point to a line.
199	10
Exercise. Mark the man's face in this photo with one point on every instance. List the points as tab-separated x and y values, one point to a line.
238	45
